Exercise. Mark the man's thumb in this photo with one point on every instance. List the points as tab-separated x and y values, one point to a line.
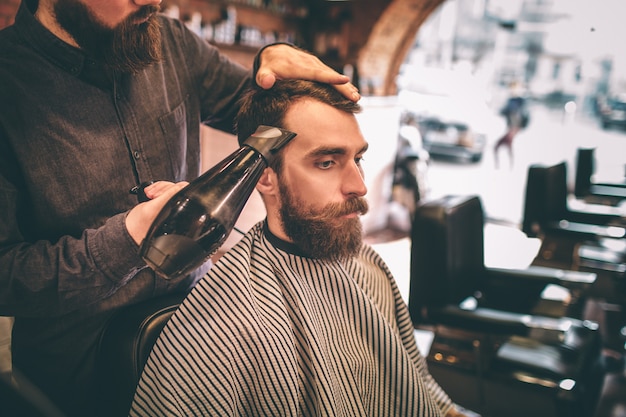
265	79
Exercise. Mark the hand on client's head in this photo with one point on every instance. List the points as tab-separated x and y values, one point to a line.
281	62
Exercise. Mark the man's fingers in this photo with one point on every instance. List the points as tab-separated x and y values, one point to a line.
169	192
281	62
266	79
349	91
158	188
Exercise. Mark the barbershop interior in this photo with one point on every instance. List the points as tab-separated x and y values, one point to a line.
496	186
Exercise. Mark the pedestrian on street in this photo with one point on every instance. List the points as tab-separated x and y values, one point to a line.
515	112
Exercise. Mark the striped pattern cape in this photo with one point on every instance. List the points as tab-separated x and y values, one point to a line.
270	333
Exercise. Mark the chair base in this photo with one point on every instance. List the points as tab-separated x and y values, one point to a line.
514	376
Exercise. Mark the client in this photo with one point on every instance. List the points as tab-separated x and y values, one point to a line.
300	318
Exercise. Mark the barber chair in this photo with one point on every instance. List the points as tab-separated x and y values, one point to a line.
570	234
124	348
547	206
609	193
499	347
591	238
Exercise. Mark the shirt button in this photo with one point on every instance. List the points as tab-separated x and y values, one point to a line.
136	154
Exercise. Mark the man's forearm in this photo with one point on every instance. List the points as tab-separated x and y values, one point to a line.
51	278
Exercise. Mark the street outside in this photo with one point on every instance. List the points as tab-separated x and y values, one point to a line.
551	137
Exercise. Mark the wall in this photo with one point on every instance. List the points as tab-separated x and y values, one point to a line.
388	43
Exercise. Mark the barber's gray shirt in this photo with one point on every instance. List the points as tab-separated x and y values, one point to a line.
73	142
269	332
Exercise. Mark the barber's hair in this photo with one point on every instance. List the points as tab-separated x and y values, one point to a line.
268	107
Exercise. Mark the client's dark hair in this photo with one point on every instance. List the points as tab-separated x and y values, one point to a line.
268	107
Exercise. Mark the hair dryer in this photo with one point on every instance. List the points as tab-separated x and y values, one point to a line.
196	221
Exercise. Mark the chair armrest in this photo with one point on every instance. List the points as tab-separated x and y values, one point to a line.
579	211
600	253
481	319
611	184
547	329
539	274
584	230
597	257
608	190
523	353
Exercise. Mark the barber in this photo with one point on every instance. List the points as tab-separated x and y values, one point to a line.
98	98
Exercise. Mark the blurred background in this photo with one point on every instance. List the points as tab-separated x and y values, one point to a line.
564	54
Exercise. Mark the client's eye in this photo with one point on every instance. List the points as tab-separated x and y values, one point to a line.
325	164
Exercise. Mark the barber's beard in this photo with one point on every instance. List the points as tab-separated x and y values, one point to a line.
322	233
127	48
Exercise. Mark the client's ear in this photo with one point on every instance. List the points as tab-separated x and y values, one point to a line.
268	183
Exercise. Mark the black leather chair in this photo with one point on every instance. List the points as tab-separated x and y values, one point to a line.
124	349
499	348
609	193
546	206
447	269
567	234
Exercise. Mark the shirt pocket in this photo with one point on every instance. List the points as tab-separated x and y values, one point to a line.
174	126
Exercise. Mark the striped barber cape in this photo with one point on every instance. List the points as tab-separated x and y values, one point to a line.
269	332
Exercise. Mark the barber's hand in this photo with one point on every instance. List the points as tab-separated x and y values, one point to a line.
280	62
140	218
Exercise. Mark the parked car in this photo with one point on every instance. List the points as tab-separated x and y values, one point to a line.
448	139
613	112
451	111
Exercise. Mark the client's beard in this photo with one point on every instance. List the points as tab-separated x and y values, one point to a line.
320	234
127	48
